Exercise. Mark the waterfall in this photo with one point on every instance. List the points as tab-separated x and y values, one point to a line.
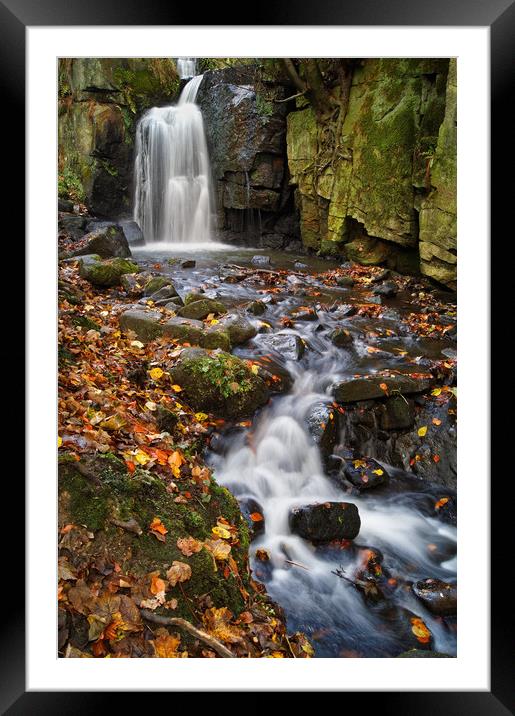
172	201
186	67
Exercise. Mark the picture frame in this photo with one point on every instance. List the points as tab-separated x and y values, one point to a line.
499	16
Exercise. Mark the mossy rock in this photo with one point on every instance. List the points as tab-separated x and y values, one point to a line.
107	243
219	383
105	273
99	489
155	284
202	308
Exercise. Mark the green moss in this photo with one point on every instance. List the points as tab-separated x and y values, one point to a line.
222	371
70	186
264	107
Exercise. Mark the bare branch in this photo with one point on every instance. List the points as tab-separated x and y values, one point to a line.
187	626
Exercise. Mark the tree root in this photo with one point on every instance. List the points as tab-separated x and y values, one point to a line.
187	626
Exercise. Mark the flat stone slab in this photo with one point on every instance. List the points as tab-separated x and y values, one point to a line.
368	387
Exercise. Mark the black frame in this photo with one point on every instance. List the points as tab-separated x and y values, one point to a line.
499	16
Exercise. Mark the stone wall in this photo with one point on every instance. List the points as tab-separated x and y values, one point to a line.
99	103
388	180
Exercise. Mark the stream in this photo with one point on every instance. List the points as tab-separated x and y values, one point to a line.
273	464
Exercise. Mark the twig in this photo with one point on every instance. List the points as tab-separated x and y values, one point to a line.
296	564
187	626
294	96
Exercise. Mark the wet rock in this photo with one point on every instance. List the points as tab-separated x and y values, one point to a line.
172	304
189	263
74	226
145	324
345	281
438	597
326	521
216	337
368	387
132	232
134	283
155	284
380	275
323	425
202	308
257	308
409	629
276	377
289	345
261	260
345	310
446	509
423	654
106	243
218	383
240	329
105	273
304	313
252	512
396	413
365	473
164	294
193	295
185	330
166	420
341	338
294	280
388	289
299	265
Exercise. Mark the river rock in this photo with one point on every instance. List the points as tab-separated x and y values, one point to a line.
134	283
155	284
438	597
326	521
164	294
64	205
145	324
257	308
341	337
446	509
290	346
106	243
388	289
252	512
201	308
368	387
189	263
396	413
409	629
218	383
323	425
184	330
345	281
261	260
240	329
365	473
105	273
304	313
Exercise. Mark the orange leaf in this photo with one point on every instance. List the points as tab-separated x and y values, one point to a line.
256	517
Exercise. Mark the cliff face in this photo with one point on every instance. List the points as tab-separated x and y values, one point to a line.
99	103
387	181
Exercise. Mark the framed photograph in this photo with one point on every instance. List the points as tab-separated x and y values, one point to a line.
245	280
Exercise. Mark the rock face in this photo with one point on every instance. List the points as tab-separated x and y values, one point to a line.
99	103
438	230
365	201
218	383
246	136
323	425
326	522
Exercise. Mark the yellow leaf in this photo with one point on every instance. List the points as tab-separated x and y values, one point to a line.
422	431
221	532
436	391
176	388
377	472
201	417
156	373
137	344
219	549
254	368
141	457
59	441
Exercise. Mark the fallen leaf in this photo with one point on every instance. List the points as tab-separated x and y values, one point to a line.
178	572
189	546
156	373
422	431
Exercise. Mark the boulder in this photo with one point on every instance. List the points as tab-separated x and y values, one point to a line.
341	338
240	329
326	521
164	294
438	597
365	473
290	346
323	425
261	260
201	308
134	283
73	225
368	387
257	308
185	330
106	242
155	284
253	514
105	273
219	383
396	413
145	324
189	263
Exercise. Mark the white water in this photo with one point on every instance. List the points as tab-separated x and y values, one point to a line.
278	464
186	67
173	201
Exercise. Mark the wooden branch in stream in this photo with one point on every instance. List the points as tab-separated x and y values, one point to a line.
262	270
187	626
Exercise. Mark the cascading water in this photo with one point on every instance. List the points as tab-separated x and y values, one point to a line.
172	173
186	67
